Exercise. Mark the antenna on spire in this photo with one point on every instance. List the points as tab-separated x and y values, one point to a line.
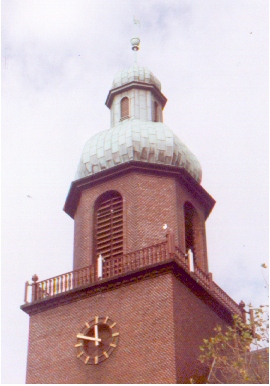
136	21
135	42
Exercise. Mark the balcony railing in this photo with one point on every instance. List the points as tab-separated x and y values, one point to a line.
130	262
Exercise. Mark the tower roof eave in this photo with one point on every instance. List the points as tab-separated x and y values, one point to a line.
138	85
77	186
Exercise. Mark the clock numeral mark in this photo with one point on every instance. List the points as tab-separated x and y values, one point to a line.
84	336
80	354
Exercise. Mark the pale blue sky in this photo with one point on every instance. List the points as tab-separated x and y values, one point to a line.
58	62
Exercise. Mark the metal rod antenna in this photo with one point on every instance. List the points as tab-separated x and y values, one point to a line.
135	47
135	57
135	42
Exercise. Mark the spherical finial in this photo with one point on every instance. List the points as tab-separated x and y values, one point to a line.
242	304
135	42
35	278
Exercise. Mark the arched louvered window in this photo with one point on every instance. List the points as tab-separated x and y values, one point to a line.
109	225
189	226
194	236
156	112
124	108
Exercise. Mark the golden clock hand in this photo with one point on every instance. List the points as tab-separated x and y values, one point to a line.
96	335
80	336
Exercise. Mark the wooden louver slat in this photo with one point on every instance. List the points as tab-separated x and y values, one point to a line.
104	235
105	219
124	108
156	112
109	226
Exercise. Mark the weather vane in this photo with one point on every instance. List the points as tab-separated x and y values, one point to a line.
136	21
135	42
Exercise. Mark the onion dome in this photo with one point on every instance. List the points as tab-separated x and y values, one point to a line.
137	74
136	140
137	130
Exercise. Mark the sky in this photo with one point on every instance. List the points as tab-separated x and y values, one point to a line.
59	58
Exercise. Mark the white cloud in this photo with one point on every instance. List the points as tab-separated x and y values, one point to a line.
58	63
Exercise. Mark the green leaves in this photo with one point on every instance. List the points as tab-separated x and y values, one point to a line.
228	352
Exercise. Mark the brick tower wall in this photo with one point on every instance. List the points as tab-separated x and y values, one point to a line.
161	325
149	201
194	321
143	312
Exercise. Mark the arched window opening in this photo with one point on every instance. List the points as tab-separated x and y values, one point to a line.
124	108
190	234
109	225
195	238
156	112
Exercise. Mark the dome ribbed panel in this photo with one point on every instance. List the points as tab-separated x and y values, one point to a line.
137	74
136	140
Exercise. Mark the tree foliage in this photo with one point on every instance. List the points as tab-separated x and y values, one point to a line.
239	354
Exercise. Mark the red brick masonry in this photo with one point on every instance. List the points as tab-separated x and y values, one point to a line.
162	310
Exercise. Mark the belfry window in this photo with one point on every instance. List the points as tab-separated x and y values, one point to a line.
124	108
109	225
194	237
156	112
190	234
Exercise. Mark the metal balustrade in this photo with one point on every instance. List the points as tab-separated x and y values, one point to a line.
130	262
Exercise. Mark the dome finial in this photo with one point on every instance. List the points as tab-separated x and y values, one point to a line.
135	42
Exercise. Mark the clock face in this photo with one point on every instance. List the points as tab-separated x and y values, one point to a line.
97	340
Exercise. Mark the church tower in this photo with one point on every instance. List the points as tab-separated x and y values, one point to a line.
140	298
